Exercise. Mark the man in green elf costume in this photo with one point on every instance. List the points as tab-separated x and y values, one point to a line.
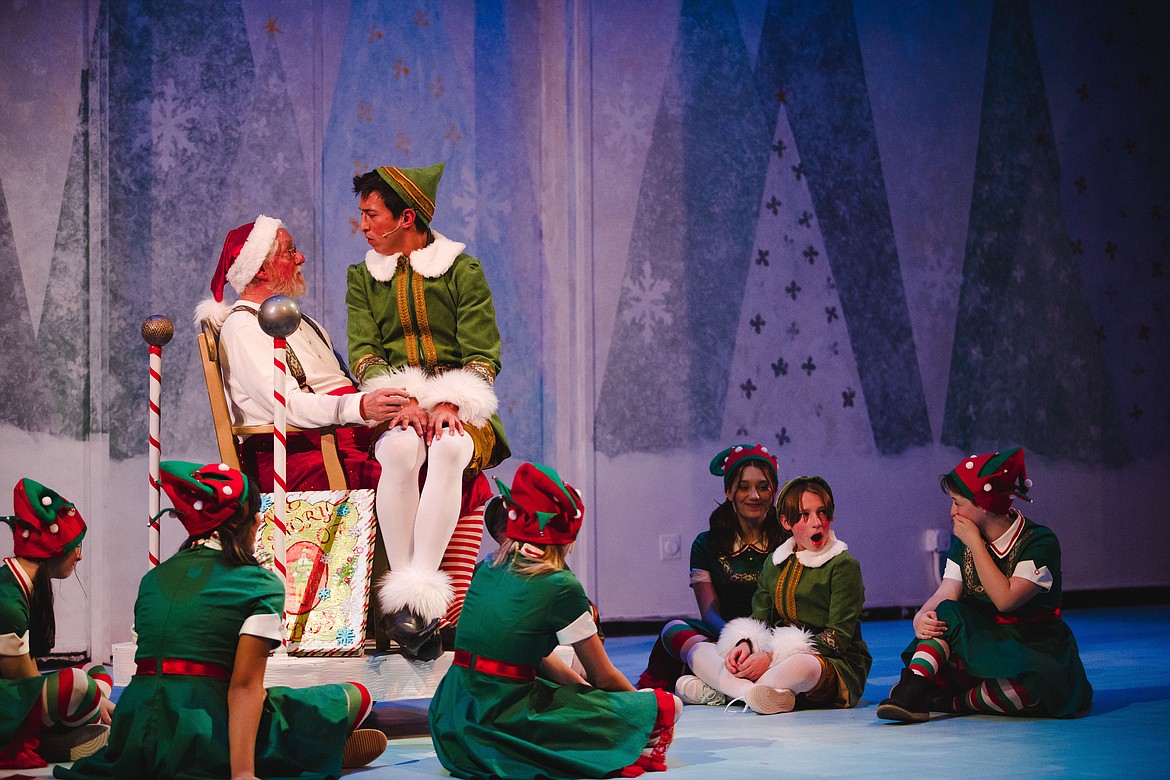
421	317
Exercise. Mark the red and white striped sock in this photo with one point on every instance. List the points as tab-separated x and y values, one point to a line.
459	560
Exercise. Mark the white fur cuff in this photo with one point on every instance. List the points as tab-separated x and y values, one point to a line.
426	593
410	378
744	628
475	398
788	641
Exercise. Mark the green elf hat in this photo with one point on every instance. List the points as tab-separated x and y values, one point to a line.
542	508
417	186
799	483
725	463
45	525
205	496
992	480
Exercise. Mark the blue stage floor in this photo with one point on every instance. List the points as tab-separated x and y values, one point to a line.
1125	652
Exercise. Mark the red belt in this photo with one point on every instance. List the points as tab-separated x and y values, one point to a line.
492	666
1011	620
182	667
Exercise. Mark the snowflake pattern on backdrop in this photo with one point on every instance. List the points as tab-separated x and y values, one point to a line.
487	213
626	122
794	382
647	302
172	118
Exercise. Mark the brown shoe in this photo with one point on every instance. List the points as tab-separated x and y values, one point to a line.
59	748
362	747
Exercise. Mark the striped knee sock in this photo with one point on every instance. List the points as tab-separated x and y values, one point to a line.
459	560
678	638
1000	696
360	703
101	675
929	657
70	697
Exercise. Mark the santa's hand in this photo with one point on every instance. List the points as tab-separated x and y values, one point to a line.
382	404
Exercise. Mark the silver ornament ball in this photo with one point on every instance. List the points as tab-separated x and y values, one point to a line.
280	316
157	330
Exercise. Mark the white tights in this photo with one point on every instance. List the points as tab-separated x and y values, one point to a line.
799	673
400	505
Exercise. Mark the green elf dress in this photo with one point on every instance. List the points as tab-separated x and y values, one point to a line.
427	323
1032	646
172	719
17	697
823	594
491	717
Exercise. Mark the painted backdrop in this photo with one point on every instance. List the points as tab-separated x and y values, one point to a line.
874	237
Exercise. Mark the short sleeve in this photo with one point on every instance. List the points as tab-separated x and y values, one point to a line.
701	558
267	615
13	627
569	610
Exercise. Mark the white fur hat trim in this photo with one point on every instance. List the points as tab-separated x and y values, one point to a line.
255	250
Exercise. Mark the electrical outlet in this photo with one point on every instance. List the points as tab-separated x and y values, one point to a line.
669	547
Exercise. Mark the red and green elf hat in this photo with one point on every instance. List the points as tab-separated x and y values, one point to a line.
417	186
542	508
725	463
992	480
45	525
205	496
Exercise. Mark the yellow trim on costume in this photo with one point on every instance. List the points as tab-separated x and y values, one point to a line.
784	598
425	204
404	272
363	365
483	370
424	325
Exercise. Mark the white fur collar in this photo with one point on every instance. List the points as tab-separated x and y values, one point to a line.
432	261
808	558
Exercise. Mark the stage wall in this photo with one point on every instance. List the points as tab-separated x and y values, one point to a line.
874	236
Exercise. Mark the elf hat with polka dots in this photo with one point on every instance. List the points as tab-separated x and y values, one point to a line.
992	480
205	496
45	525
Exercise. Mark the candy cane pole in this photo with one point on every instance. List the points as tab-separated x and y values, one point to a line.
157	331
279	317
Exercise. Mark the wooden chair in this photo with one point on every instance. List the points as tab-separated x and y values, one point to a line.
227	436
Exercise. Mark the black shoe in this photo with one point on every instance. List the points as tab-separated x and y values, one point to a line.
403	624
430	648
909	700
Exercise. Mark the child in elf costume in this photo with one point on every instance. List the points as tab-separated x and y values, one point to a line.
802	644
725	560
207	619
990	639
492	715
59	716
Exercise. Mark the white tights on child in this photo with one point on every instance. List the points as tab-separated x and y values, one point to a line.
798	673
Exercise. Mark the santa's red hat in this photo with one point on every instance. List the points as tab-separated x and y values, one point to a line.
244	251
45	525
